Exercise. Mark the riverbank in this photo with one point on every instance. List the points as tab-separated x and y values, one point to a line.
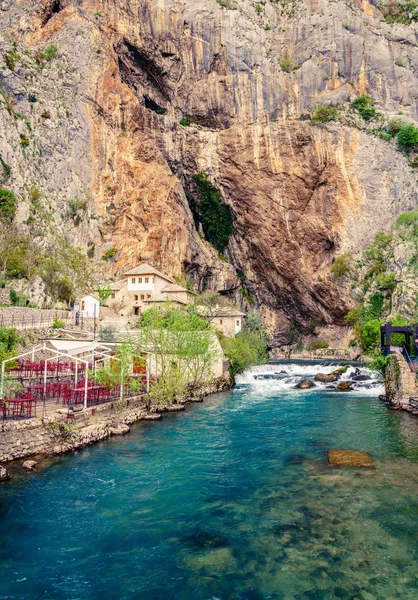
56	434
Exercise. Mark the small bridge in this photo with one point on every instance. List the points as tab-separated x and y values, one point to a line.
408	346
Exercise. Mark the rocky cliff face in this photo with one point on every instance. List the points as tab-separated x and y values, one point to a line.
144	94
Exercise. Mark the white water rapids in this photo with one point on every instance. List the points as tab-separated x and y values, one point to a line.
285	376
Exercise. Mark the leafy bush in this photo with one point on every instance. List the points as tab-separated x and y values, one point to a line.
400	12
47	53
216	217
408	138
395	125
184	122
318	345
386	282
58	324
324	114
248	348
24	140
376	302
14	298
370	334
287	65
110	255
363	104
342	265
8	206
408	219
9	339
10	59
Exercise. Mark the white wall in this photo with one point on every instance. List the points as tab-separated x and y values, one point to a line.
89	307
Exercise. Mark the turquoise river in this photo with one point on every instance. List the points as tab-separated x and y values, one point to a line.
232	499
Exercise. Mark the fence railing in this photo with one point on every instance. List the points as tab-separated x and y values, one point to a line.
30	318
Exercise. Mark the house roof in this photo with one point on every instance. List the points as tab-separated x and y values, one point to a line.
115	286
229	311
89	296
165	298
174	287
146	269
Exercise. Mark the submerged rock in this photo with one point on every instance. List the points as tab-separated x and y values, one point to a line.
4	474
29	465
349	458
344	386
326	377
305	384
338	372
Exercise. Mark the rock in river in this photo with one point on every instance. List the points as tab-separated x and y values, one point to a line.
305	384
326	378
344	386
349	458
3	474
29	465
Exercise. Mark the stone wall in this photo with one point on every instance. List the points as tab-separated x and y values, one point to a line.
400	381
55	434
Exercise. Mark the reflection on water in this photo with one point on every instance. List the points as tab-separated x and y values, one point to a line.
233	499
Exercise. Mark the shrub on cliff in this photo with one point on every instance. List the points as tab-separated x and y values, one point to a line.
324	114
364	105
9	339
342	265
408	138
8	206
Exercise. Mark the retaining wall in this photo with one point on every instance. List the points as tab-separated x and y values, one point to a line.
400	381
21	439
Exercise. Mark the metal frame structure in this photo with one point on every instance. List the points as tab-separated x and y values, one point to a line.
57	354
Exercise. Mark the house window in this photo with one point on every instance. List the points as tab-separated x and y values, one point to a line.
146	279
136	298
113	295
237	322
133	279
220	321
139	279
142	297
148	295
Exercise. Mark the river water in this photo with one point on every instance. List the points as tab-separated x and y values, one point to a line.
231	500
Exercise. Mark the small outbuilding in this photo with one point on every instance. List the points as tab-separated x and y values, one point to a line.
88	307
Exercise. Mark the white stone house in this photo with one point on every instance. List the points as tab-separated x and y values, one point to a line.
143	282
89	307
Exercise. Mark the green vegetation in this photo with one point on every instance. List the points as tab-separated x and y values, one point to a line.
342	265
8	206
110	255
324	113
318	345
395	125
6	171
76	210
408	138
10	59
104	292
184	122
24	140
364	105
9	340
288	65
183	345
47	54
58	324
400	12
215	217
248	348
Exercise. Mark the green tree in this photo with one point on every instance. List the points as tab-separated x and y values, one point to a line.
247	349
104	291
182	346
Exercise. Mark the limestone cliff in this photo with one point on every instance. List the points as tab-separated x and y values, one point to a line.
143	94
